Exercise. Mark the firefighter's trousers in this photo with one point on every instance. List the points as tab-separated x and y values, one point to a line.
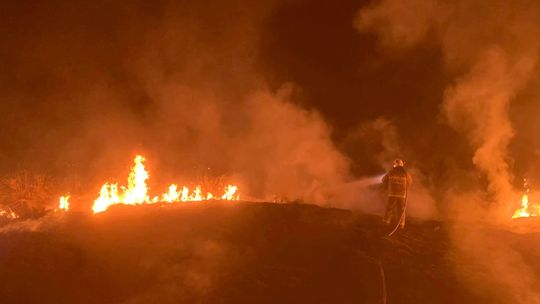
395	208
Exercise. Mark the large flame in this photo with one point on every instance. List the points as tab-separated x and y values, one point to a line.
137	191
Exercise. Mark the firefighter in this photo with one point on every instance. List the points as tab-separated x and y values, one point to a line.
396	182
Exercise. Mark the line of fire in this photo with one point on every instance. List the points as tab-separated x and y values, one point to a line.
270	151
136	192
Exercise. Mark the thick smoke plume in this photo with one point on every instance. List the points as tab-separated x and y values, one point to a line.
491	48
178	82
378	142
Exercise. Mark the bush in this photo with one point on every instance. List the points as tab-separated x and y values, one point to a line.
26	194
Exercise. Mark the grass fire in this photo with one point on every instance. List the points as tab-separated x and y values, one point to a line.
527	209
136	192
272	151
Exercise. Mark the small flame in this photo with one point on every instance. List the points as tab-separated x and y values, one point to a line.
108	195
196	195
185	194
230	193
526	210
8	213
172	195
63	203
136	193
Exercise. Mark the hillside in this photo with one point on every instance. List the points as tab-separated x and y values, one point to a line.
235	253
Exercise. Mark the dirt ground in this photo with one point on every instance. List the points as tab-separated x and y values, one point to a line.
239	253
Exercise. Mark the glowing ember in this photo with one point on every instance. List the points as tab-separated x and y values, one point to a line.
137	191
63	203
8	213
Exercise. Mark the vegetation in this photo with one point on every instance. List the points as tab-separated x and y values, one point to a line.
27	194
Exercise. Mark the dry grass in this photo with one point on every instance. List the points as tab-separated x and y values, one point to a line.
213	184
27	194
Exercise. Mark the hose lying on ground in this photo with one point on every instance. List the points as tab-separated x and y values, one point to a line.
383	279
402	217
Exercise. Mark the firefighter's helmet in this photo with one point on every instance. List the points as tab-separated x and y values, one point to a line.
398	162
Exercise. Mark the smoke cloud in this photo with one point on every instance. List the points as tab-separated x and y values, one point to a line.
176	82
378	142
490	48
489	45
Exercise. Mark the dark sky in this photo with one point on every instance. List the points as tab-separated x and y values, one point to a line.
76	73
344	73
347	75
289	99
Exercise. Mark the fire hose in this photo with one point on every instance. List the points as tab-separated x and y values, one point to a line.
402	217
383	280
379	262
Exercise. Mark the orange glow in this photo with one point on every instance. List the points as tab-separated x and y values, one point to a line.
8	213
172	195
137	191
526	209
230	193
63	203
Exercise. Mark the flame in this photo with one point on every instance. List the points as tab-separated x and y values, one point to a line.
8	213
172	195
63	203
137	191
526	210
196	195
230	193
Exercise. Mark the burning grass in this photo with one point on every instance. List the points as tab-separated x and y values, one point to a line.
26	194
137	192
527	208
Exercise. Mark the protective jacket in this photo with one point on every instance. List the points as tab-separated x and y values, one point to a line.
397	182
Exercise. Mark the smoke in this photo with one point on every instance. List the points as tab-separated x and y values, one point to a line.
489	44
377	143
26	225
492	265
491	50
176	82
479	104
289	150
48	221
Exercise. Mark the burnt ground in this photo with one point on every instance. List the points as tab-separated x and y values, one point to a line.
234	253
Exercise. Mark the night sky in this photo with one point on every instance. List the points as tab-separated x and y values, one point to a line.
297	101
82	84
